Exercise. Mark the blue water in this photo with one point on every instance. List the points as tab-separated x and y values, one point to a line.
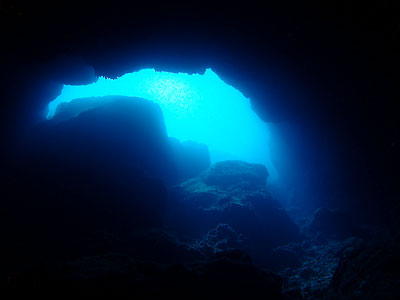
197	107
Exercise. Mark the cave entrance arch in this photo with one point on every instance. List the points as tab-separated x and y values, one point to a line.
197	107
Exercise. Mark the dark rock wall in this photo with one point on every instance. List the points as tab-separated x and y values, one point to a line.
106	169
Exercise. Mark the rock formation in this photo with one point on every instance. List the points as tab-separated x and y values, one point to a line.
233	193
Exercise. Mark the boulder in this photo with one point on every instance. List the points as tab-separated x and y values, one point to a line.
101	170
114	136
232	193
220	239
185	159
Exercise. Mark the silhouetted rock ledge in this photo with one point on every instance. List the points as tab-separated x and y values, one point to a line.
232	193
149	263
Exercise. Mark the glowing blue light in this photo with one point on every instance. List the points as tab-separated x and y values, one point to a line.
196	107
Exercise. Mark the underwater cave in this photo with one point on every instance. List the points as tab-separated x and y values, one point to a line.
190	150
197	107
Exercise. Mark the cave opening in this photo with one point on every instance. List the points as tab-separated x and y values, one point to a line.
272	175
196	107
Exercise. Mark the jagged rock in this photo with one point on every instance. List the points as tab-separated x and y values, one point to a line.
147	263
316	266
115	274
233	174
220	239
233	193
367	271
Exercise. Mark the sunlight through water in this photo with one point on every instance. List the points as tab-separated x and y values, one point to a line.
197	107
